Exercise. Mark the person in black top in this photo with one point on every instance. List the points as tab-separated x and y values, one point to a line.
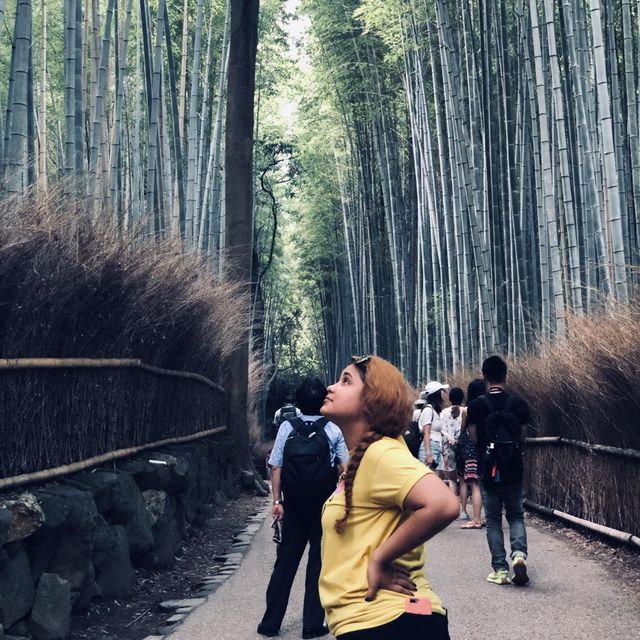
506	493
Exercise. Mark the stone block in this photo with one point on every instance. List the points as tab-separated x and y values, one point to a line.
16	586
114	573
115	493
50	617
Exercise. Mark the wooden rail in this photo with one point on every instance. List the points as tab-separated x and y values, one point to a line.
82	465
621	536
101	363
591	448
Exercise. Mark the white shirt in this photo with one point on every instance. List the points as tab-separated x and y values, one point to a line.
451	426
429	416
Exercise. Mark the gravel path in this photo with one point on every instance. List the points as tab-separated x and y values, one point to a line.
570	596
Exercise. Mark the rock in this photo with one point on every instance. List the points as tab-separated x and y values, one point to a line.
114	573
261	488
20	628
72	561
155	501
5	524
16	586
139	531
246	479
64	502
50	617
228	489
23	516
114	493
167	542
169	605
162	471
167	538
220	498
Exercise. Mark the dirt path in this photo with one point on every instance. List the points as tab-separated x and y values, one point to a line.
573	594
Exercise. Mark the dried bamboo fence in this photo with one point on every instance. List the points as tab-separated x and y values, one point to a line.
56	414
588	484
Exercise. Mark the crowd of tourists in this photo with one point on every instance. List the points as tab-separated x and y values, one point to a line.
364	474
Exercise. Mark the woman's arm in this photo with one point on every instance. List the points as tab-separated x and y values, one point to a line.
425	423
426	436
433	507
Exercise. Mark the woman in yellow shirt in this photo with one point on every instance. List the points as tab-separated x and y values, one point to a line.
372	582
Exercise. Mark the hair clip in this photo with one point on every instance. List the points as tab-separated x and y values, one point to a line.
362	359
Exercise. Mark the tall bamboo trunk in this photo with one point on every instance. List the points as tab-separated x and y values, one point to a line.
15	179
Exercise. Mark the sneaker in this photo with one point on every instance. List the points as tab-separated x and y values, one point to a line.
464	515
501	576
520	570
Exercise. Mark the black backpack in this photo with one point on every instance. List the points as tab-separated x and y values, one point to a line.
308	477
288	412
413	437
502	458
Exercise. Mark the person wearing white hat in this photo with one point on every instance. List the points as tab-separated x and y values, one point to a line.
431	424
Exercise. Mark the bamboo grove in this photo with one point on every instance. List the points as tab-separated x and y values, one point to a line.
489	173
122	103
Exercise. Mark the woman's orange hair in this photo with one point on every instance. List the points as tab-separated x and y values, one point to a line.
387	402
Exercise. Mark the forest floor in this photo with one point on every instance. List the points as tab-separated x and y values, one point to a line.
138	617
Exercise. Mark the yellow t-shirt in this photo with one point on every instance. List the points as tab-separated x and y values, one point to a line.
385	476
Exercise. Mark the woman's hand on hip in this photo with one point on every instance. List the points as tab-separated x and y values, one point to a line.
388	576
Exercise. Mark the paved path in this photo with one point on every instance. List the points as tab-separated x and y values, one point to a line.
569	597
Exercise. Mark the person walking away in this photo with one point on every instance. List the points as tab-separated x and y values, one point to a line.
286	412
497	423
372	582
308	454
467	460
451	427
431	425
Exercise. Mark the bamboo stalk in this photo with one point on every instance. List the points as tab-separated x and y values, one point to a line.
74	467
622	536
100	363
591	448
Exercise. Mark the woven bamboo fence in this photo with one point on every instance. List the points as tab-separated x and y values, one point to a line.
595	483
55	412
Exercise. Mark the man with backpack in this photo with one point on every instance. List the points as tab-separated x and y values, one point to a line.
287	411
307	456
497	421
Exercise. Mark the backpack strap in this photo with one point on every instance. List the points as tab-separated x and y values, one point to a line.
485	398
509	403
320	423
296	423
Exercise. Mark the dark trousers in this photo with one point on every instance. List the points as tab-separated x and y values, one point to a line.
298	529
408	626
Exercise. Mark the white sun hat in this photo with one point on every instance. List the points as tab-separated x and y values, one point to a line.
433	386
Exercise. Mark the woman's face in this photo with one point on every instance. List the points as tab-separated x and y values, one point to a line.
344	398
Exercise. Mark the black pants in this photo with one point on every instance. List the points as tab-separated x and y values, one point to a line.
298	529
408	626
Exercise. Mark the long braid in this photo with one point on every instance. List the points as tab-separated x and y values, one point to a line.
368	439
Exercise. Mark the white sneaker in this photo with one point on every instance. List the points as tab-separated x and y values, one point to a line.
464	515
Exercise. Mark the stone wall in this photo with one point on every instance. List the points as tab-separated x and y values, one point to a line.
69	541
